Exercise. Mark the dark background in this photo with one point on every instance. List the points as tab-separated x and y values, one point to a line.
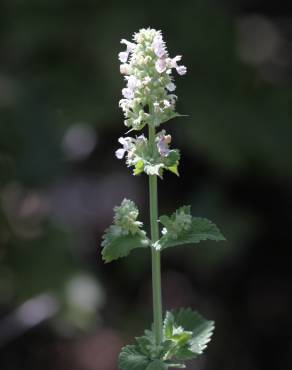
60	306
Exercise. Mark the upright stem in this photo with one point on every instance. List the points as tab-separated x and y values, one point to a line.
156	273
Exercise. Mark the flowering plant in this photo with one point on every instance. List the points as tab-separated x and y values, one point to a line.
149	99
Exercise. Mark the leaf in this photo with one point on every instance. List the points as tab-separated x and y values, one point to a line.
173	169
125	234
201	329
171	116
171	162
144	344
189	333
139	167
168	325
157	365
115	247
131	359
172	158
182	228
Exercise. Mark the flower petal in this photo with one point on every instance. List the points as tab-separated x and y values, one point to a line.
123	56
128	93
171	86
181	70
160	65
120	153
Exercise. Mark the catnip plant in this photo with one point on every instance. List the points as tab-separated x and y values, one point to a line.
149	101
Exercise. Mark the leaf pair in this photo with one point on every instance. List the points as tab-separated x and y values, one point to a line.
180	228
185	336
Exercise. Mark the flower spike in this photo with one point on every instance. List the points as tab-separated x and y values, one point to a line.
147	68
149	100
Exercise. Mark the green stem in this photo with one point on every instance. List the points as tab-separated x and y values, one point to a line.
156	274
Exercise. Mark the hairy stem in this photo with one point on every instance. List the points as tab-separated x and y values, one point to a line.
156	274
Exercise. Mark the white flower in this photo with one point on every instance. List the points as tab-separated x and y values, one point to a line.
164	231
133	82
162	142
148	68
123	56
125	69
124	103
120	153
158	46
175	60
166	103
130	45
172	98
170	87
153	169
160	65
141	139
128	93
181	70
127	145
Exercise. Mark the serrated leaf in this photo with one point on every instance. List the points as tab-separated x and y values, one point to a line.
120	246
157	365
182	228
144	344
201	329
168	325
172	158
131	359
125	234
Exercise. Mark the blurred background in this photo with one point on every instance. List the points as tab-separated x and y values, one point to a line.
60	306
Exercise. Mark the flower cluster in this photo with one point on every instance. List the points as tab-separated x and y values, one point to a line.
147	67
149	99
179	222
126	218
140	154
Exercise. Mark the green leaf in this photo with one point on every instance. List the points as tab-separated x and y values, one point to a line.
172	158
131	359
171	162
115	247
144	344
182	228
201	329
125	234
139	167
172	116
188	331
157	365
168	325
173	169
